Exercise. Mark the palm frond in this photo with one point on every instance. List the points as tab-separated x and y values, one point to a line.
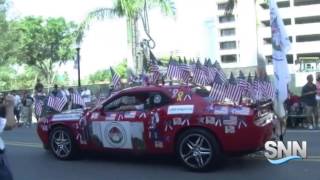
167	6
98	14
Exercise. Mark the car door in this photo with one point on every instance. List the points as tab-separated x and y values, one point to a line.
115	128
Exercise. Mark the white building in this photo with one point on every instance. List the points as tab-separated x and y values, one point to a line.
238	40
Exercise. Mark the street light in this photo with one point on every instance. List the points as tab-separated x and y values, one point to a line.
78	63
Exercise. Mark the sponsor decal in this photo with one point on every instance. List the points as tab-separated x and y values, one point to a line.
242	111
65	117
187	97
242	123
142	115
180	109
117	135
180	122
168	126
221	110
95	115
44	127
153	129
130	114
232	121
229	129
121	135
111	117
211	120
174	93
120	117
158	144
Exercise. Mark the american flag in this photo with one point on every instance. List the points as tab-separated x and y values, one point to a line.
131	77
173	71
268	91
257	88
220	75
210	71
115	78
57	102
185	70
38	106
218	91
154	69
234	91
199	75
245	85
76	99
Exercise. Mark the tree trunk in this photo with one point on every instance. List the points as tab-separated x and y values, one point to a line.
133	44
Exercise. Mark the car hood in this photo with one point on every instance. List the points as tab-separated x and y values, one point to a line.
74	114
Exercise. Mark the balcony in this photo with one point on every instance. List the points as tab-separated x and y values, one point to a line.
310	10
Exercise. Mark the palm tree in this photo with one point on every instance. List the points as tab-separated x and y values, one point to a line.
132	11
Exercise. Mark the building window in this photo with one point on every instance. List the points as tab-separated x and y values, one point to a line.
285	21
307	20
229	58
228	45
222	6
308	38
227	32
268	40
306	2
281	4
227	18
289	59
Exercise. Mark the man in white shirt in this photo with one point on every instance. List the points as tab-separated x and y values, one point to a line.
5	172
86	95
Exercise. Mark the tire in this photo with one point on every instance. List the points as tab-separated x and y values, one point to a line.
62	144
198	150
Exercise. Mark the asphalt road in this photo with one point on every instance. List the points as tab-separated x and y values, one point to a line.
30	162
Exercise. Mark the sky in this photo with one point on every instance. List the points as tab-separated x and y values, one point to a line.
105	41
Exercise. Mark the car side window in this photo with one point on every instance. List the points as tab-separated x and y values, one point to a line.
157	99
128	102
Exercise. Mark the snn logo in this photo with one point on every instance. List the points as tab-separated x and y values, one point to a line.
283	153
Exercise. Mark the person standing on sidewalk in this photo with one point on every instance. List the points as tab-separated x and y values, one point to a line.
7	121
318	99
308	97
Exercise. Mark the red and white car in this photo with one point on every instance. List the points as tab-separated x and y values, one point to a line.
179	120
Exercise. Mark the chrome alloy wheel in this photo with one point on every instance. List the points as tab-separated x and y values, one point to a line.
61	143
196	151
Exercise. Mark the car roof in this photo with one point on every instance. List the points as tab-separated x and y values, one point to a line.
153	88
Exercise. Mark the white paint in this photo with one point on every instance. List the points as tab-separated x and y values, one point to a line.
180	109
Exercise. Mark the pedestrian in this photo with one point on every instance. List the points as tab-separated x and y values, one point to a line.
86	95
55	90
7	121
17	106
38	87
26	113
308	98
318	98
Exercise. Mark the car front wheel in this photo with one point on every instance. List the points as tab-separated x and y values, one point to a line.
198	150
62	144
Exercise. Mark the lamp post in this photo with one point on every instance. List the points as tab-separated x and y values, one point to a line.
78	64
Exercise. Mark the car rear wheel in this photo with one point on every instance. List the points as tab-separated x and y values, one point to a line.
198	150
62	144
